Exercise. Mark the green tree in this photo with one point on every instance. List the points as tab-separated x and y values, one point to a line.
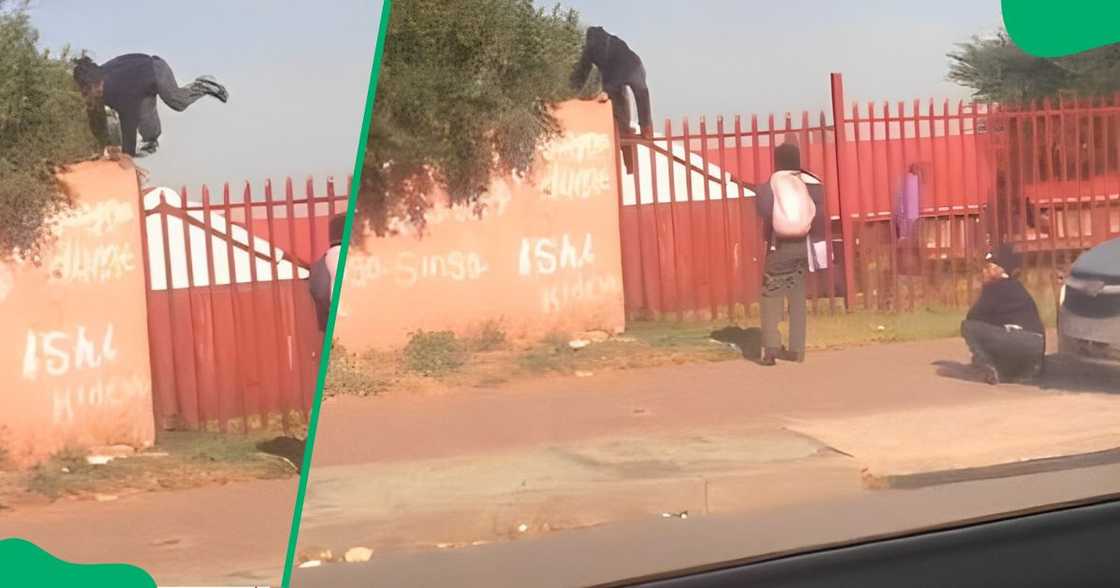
1036	146
43	126
465	92
997	70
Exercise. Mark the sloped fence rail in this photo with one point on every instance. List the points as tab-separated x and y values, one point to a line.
233	338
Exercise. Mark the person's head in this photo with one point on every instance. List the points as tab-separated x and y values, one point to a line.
596	42
787	157
90	78
336	227
1002	262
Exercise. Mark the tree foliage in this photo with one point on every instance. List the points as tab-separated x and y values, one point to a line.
43	126
998	70
465	92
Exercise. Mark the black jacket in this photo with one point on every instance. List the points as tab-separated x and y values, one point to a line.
129	79
1006	302
618	64
764	201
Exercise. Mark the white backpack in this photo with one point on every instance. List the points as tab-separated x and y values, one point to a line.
793	207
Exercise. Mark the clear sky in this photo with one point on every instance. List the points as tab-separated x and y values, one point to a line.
297	74
747	56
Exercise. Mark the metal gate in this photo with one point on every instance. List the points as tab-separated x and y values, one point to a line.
233	338
1042	176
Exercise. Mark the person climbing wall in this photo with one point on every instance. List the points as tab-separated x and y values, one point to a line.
619	68
129	85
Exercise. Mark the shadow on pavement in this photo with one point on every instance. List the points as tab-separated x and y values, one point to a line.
1063	372
746	341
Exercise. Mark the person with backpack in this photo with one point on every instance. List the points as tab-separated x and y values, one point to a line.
129	85
792	210
321	280
1003	330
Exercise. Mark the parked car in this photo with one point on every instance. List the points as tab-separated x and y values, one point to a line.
1089	305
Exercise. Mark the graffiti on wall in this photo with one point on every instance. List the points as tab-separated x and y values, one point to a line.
71	363
82	254
559	298
544	256
574	167
408	268
542	252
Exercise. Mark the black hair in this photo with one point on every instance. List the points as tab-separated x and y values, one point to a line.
336	228
787	157
87	73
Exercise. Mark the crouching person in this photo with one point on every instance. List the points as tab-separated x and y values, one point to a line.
1003	329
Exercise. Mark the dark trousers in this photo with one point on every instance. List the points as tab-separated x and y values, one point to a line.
176	97
616	90
1012	353
783	281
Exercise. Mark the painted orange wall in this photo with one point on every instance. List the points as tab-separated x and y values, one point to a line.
545	256
74	343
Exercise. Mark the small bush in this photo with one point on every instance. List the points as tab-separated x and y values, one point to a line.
43	127
558	340
489	337
348	374
54	477
434	353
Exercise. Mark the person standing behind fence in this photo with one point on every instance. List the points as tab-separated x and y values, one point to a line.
788	255
321	280
129	85
906	211
1003	329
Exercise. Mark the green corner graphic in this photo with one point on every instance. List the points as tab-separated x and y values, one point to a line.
25	564
1053	28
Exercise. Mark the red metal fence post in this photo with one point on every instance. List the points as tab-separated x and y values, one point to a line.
842	188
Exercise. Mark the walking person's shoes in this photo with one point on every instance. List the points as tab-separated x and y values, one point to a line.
148	148
769	357
211	87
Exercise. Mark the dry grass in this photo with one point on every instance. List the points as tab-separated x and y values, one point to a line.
645	344
179	460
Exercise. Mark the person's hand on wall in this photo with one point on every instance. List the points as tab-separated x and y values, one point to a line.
111	153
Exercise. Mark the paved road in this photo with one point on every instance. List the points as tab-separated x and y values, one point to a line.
234	534
408	473
650	401
630	549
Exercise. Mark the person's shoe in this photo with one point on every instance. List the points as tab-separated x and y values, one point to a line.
769	358
210	86
1030	374
990	373
794	356
148	148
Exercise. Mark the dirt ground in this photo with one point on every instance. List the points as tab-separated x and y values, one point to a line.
439	363
178	461
232	534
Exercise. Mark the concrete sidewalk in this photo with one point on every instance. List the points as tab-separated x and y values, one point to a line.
630	549
472	467
519	493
